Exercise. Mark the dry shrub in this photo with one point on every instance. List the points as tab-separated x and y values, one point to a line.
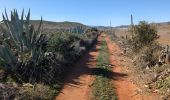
1	74
8	91
163	78
37	92
148	56
12	91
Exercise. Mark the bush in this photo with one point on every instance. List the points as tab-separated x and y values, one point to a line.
148	56
66	44
142	35
67	48
36	92
142	42
8	91
71	45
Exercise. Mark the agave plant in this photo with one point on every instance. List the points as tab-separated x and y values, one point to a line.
20	40
78	30
21	46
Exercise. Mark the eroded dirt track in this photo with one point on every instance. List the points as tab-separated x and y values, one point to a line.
125	89
77	83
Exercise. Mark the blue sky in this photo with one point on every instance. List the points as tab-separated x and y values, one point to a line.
93	12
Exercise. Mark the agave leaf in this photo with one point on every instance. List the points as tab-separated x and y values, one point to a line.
22	33
27	28
7	54
8	32
39	27
23	36
31	31
6	15
12	24
5	20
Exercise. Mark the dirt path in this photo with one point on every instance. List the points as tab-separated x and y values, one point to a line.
79	80
77	84
125	89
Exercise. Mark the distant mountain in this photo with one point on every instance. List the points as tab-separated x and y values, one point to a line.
103	27
109	28
160	24
50	26
65	24
122	26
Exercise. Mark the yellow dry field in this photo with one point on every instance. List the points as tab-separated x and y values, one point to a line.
163	32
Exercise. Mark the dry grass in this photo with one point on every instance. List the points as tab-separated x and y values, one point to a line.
163	32
121	32
102	88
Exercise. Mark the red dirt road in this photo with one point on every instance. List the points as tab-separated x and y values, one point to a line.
77	83
125	89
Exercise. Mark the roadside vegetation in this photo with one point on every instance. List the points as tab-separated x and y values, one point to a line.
150	59
32	64
102	88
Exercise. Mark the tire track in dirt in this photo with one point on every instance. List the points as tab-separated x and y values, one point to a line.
80	78
125	89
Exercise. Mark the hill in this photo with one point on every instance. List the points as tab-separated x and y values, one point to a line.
50	26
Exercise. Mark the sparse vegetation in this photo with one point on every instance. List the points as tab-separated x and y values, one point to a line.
148	56
36	92
102	88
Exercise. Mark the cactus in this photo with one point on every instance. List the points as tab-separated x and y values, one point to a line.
77	29
20	39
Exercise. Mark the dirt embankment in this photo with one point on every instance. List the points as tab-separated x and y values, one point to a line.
125	89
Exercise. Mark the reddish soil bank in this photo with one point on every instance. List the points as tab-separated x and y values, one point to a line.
79	80
125	89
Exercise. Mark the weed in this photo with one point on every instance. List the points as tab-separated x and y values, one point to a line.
102	88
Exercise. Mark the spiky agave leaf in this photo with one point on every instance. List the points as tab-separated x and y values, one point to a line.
23	36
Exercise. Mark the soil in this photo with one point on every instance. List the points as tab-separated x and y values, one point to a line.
78	82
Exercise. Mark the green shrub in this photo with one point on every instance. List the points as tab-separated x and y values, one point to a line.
163	84
70	45
143	34
67	48
67	44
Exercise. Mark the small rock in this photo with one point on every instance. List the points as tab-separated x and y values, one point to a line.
2	86
28	85
146	86
147	68
155	91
